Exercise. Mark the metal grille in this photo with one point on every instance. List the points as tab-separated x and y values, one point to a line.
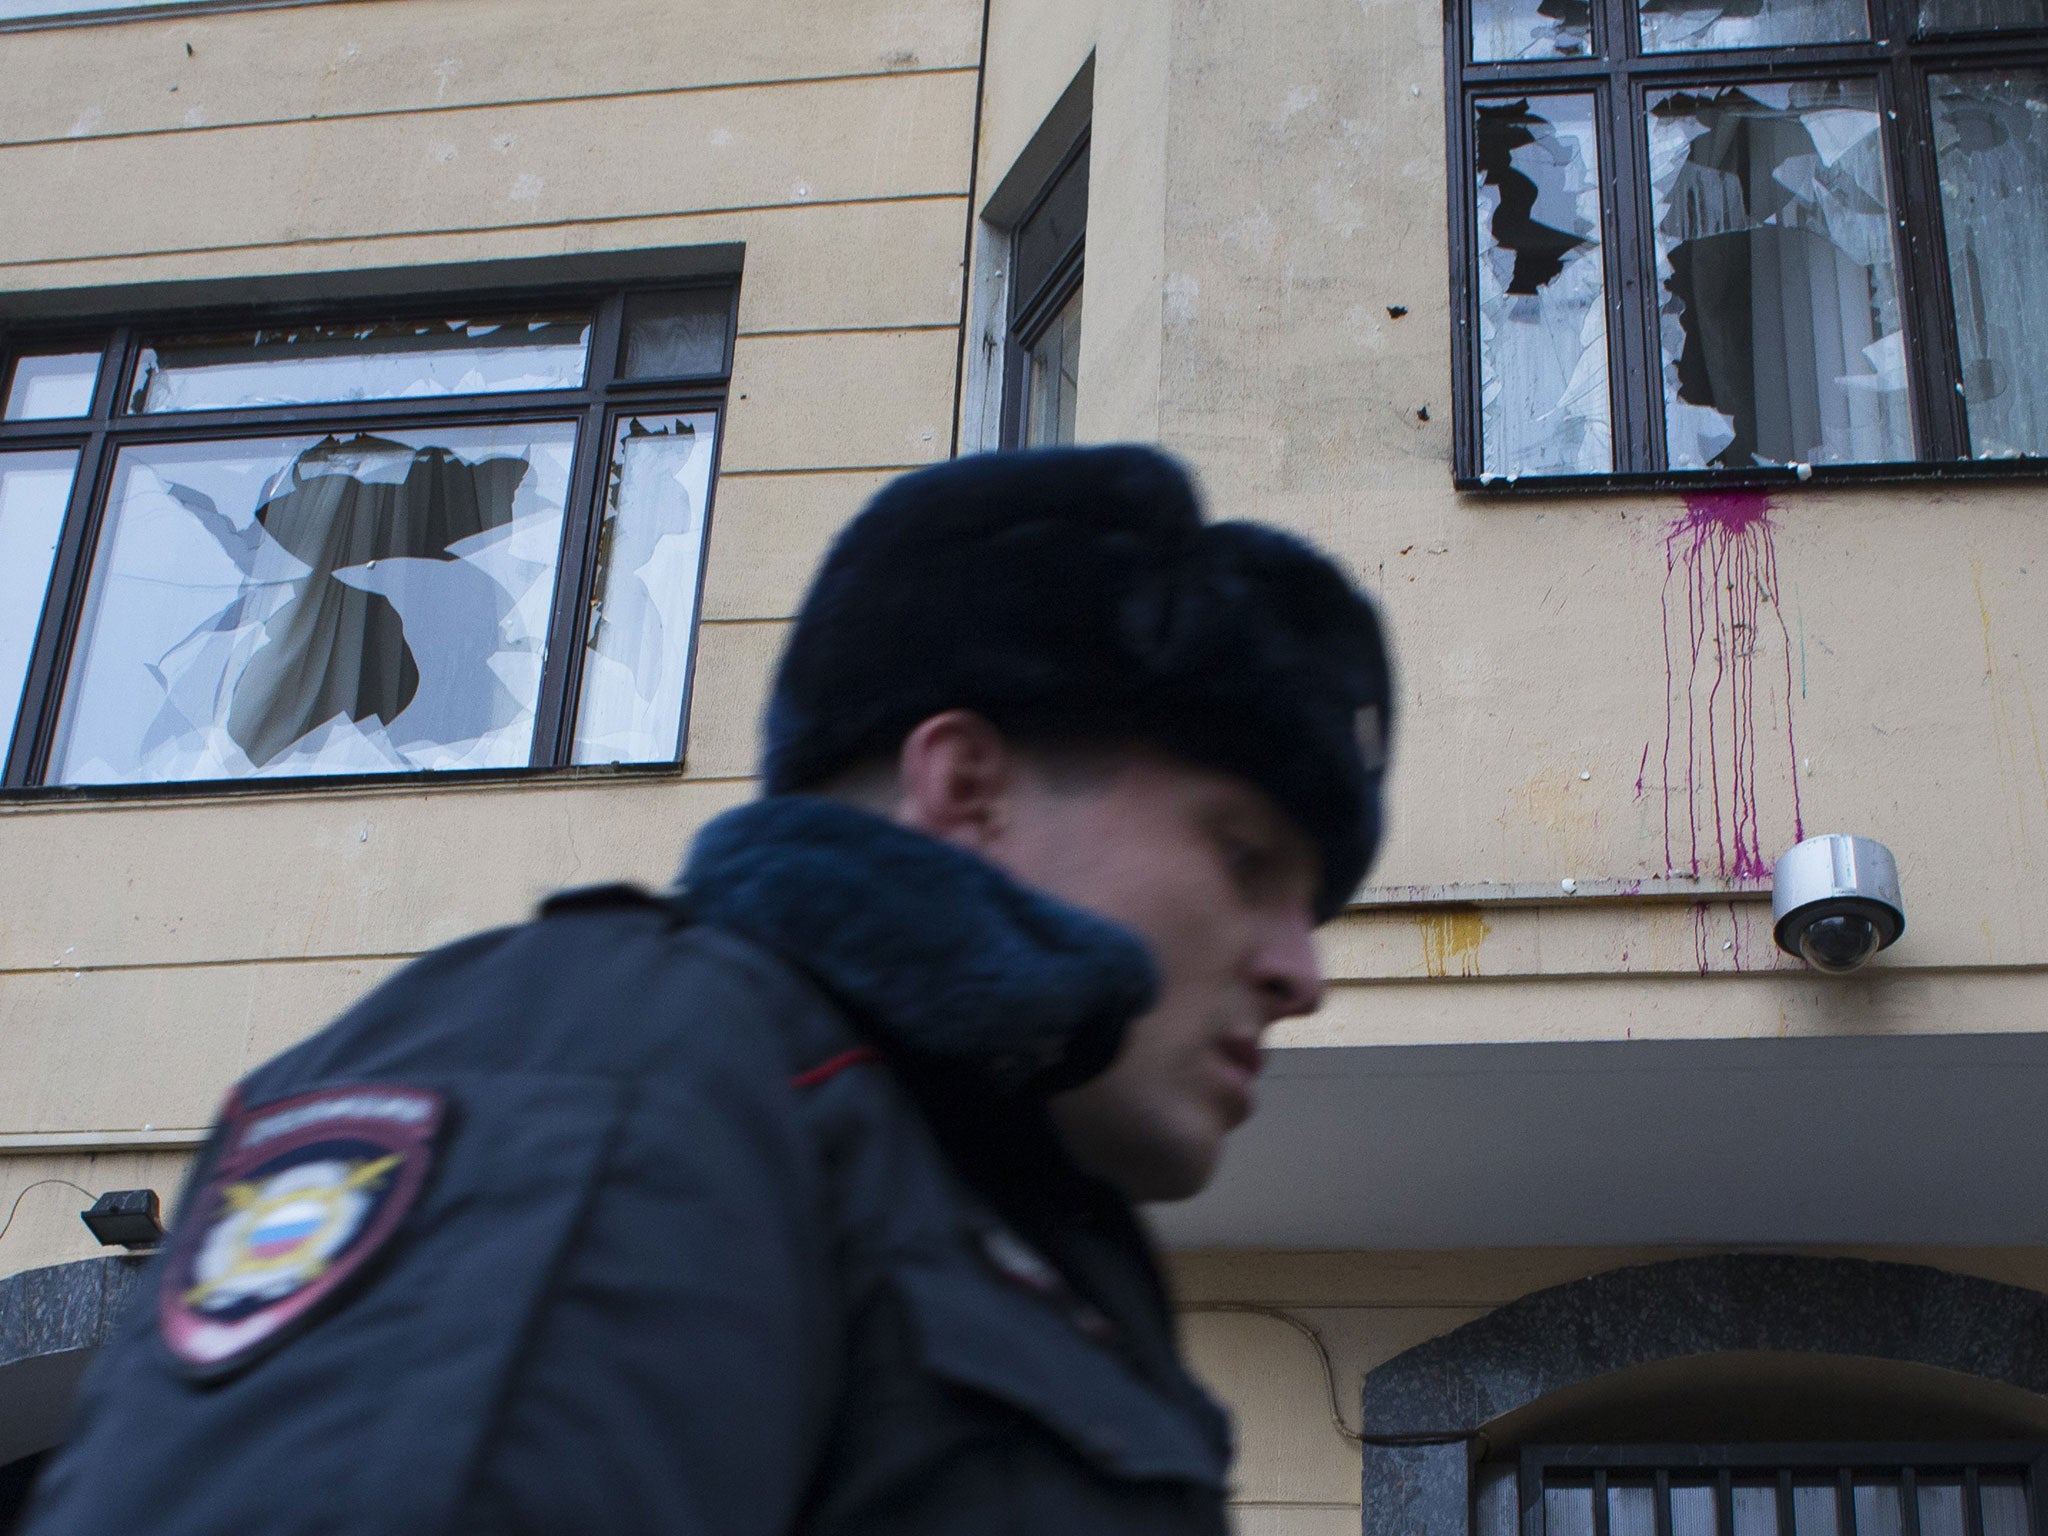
1840	1490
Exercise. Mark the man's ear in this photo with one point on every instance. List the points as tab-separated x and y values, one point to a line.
955	776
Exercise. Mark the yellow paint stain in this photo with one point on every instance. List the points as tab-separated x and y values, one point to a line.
1451	940
2004	739
2034	728
1547	806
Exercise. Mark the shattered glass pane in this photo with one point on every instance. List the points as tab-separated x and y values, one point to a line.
677	335
636	655
290	606
1981	15
34	488
1531	29
48	386
1991	143
1052	390
1779	321
1542	291
1675	26
378	360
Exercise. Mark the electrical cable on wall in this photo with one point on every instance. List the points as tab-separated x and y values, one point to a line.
38	1184
1307	1331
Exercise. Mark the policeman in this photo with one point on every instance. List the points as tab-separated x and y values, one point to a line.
800	1198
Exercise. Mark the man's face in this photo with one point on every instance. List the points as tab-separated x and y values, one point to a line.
1221	886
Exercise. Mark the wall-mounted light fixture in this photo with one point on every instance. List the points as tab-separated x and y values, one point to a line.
1835	901
125	1218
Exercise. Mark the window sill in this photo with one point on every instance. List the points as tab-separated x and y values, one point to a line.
1804	477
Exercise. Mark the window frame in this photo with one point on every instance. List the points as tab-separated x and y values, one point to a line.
1031	313
594	409
1898	58
109	11
1904	1458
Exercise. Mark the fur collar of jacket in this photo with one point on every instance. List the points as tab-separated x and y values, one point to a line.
941	957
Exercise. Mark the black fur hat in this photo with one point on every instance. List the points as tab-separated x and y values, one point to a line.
1075	594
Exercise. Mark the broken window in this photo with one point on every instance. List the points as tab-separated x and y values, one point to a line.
636	658
1542	303
1531	29
34	489
373	567
1991	142
1675	26
380	360
1779	317
1726	239
335	605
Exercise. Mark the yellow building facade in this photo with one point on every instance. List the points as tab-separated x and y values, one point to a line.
1572	1146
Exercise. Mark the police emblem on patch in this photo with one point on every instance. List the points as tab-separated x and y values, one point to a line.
306	1190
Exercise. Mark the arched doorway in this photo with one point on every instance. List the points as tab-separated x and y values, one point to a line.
1741	1371
51	1320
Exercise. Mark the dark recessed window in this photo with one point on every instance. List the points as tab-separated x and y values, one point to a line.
357	544
1748	237
1043	366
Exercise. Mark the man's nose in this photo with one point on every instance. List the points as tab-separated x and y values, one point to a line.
1289	969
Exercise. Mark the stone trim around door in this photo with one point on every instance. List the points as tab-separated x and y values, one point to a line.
1424	1409
51	1321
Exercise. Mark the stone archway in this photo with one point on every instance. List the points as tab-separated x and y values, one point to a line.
51	1321
1424	1409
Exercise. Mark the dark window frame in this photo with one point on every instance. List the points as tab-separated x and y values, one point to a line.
1898	58
1033	309
594	409
114	11
1905	1459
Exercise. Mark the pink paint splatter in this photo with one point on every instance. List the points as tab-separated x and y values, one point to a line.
1721	557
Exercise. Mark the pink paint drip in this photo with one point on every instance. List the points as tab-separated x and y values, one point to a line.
1704	928
1722	551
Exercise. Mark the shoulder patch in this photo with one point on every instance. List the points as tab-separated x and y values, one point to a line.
307	1189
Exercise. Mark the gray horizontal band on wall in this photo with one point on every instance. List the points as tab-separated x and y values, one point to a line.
30	1143
1488	893
461	280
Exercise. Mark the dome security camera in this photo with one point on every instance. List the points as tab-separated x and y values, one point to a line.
1835	901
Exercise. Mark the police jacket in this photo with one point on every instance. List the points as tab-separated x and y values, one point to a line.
733	1210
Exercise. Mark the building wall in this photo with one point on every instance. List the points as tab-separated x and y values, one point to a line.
1573	708
1552	660
1296	1475
152	953
1268	186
